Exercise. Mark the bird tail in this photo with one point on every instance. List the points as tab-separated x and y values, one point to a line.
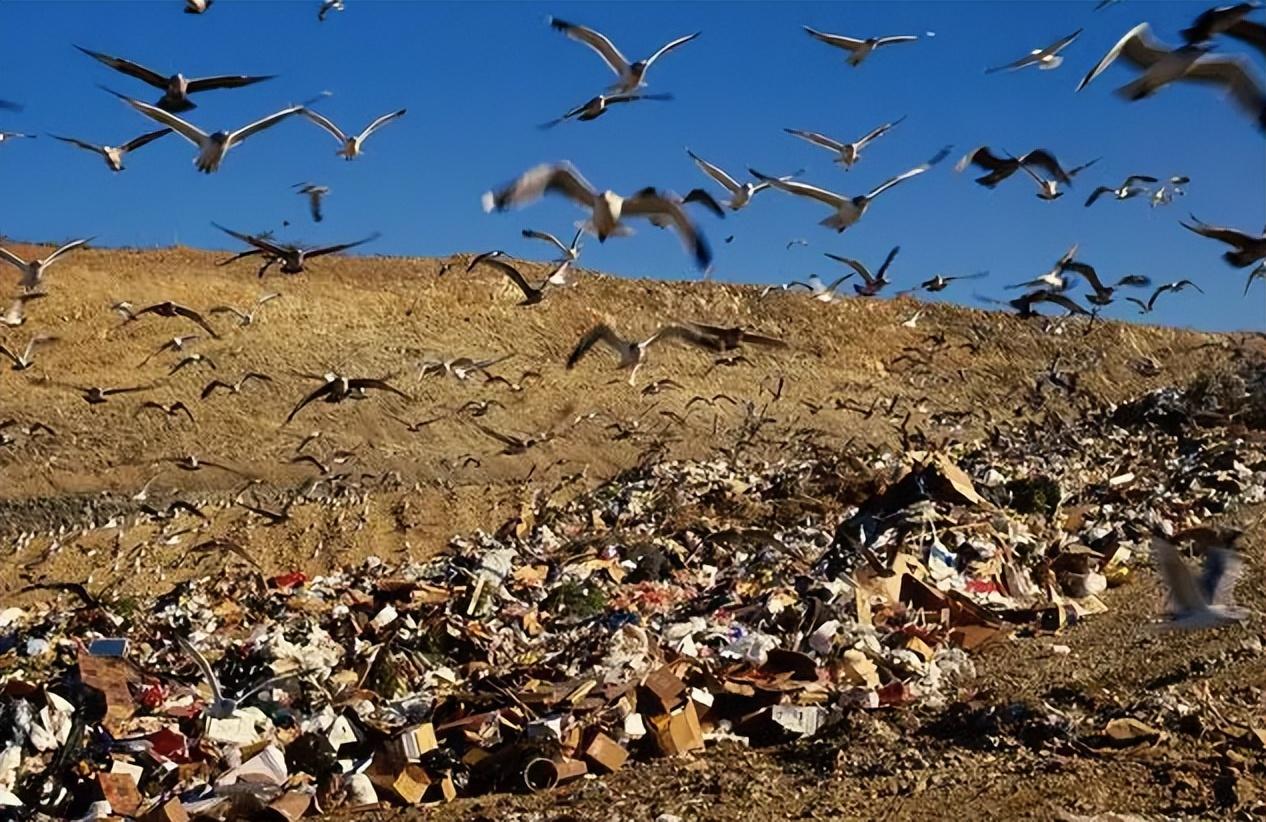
835	221
1054	63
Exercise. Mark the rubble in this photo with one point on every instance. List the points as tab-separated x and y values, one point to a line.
674	605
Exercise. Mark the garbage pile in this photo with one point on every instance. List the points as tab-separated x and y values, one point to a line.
677	604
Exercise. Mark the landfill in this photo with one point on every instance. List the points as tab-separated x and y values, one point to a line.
674	606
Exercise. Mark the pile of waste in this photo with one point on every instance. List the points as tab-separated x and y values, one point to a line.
677	604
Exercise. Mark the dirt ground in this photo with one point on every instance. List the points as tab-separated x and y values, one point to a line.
856	371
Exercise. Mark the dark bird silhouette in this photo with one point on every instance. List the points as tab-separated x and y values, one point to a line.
339	388
176	88
171	410
292	258
531	294
171	309
234	387
1249	248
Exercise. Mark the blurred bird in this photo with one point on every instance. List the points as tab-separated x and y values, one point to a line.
1248	248
315	195
1208	602
33	270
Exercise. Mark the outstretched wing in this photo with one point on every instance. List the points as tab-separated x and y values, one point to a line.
225	81
68	247
1137	46
723	179
251	239
535	182
532	234
802	189
667	47
598	42
335	249
80	143
144	139
128	67
380	122
837	40
599	333
1184	594
816	138
259	125
187	130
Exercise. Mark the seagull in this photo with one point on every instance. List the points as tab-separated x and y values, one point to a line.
874	282
1146	307
197	6
632	353
15	135
848	210
171	309
245	318
570	254
176	343
23	361
1161	66
729	338
114	154
1129	188
1227	20
1000	168
233	387
858	50
1024	303
212	148
531	294
338	388
33	271
848	153
15	315
1167	191
193	463
351	146
817	289
631	76
606	209
170	410
94	395
740	193
328	6
314	194
193	359
941	282
1049	189
224	707
293	259
595	107
1044	58
1248	248
1204	603
1103	293
176	88
461	368
1052	279
695	195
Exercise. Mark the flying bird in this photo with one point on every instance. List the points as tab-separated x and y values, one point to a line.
1207	602
233	387
168	308
531	294
1146	307
33	270
1258	273
595	107
315	195
570	254
1024	304
607	209
193	359
245	318
740	193
223	706
1129	188
1052	279
25	360
1249	248
197	6
1000	168
632	353
874	283
113	155
1102	293
172	410
858	50
292	258
338	388
730	337
15	314
941	282
1049	189
1165	193
1045	58
630	76
847	154
351	146
1228	20
212	148
328	6
94	395
176	343
848	210
1161	65
176	88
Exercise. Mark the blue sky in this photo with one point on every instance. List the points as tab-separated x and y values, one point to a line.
478	77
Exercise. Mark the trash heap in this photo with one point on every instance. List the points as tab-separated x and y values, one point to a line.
677	604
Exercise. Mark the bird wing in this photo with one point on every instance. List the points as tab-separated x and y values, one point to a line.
816	138
259	125
12	259
1063	301
725	180
187	130
1143	307
703	198
36	342
380	122
761	339
532	234
512	442
667	47
224	81
4	351
335	249
1184	594
128	67
510	271
1184	283
1137	280
67	248
1233	74
144	139
880	131
129	390
905	175
598	42
325	123
1137	46
80	143
837	40
1094	195
598	333
684	333
211	386
1045	160
895	38
1249	32
887	262
856	265
1139	177
203	666
194	316
251	239
381	385
802	189
650	202
316	394
984	157
1073	172
1086	271
535	182
1222	571
1229	236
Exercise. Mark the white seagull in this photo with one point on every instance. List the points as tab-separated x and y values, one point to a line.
858	50
1162	65
212	148
1204	603
223	706
632	76
848	210
351	146
848	153
113	155
570	254
740	193
1044	58
1128	189
33	271
607	209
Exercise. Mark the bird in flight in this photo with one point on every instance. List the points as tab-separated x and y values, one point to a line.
168	308
351	145
740	193
874	283
847	154
1045	58
176	88
858	49
33	270
1146	307
531	294
113	155
1248	248
1000	168
25	360
1128	189
292	258
632	353
595	107
337	388
1207	602
630	76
